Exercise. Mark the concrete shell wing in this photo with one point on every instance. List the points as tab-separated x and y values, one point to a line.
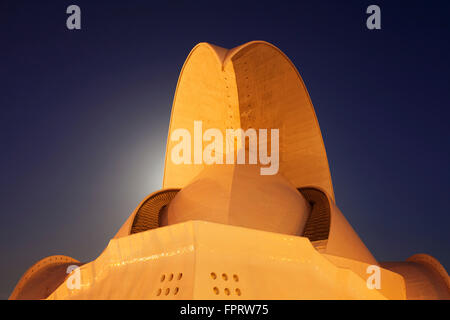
252	86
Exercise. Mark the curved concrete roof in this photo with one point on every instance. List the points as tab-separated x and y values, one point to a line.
425	277
251	86
42	278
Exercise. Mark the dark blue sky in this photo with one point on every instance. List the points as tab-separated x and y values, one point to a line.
85	114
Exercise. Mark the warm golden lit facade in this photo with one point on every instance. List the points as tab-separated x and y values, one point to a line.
224	230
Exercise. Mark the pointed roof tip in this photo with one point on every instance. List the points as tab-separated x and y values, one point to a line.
219	52
224	55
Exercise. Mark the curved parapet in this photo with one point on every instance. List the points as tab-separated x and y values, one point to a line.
425	277
42	278
252	86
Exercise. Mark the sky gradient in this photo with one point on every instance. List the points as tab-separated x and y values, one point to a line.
85	114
